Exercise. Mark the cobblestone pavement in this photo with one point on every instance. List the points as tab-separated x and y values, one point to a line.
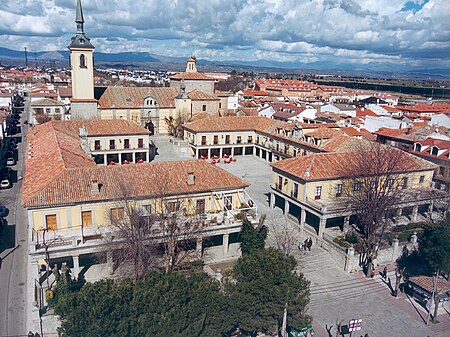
335	294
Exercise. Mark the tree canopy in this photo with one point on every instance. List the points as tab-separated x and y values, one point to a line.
252	239
434	246
265	282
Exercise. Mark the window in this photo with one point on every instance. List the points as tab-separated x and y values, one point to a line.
147	209
51	222
173	206
280	183
86	218
112	144
220	105
204	107
203	140
57	110
200	206
140	143
239	139
117	213
295	191
229	202
249	139
404	182
47	110
338	190
434	151
126	143
97	145
294	153
227	139
318	192
83	61
421	179
418	147
257	139
441	170
216	140
356	186
390	183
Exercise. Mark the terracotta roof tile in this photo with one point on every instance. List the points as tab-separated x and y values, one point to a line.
232	123
46	102
197	95
191	76
426	282
101	127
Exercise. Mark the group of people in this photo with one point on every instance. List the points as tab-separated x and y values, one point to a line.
306	245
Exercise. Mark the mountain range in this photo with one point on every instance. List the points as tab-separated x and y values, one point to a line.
151	61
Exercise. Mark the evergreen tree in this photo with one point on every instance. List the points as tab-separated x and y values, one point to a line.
434	247
252	239
265	282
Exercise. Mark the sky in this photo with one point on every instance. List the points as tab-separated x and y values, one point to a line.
390	34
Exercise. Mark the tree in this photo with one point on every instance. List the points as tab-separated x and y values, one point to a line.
159	304
252	239
374	188
434	247
285	237
264	284
164	236
175	125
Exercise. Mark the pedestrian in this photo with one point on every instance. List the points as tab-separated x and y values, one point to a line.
30	334
300	246
305	244
309	244
385	272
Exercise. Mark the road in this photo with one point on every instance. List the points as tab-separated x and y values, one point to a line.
13	269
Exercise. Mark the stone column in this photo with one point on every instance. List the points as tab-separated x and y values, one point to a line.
221	152
225	244
322	224
346	226
76	266
120	158
272	200
348	259
232	151
413	239
302	222
430	207
109	262
209	153
415	210
134	157
105	159
395	249
199	247
286	207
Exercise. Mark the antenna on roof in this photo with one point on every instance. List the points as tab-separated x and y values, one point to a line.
26	57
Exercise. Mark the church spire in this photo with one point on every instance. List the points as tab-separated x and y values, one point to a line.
79	19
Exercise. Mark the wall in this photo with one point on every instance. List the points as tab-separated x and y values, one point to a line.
82	78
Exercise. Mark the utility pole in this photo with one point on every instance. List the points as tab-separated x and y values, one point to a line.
432	299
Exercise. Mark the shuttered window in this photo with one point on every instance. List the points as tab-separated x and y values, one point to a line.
50	221
86	218
117	213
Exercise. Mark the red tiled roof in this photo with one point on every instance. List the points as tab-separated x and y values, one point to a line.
231	123
351	131
435	107
197	95
65	92
101	127
426	282
254	93
363	112
146	180
191	76
335	165
46	102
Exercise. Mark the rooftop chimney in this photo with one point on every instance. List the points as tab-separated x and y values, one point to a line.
190	178
95	187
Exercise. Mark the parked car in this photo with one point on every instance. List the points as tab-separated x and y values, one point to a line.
5	183
3	211
10	161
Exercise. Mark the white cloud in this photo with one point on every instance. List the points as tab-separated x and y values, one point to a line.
341	31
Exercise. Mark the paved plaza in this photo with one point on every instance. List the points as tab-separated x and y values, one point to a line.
336	296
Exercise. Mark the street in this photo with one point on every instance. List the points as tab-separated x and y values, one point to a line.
14	251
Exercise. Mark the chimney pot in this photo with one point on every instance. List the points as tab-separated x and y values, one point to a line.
190	178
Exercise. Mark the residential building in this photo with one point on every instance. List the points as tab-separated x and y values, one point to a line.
45	109
310	188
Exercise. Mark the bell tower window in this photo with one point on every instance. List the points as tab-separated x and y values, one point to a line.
83	61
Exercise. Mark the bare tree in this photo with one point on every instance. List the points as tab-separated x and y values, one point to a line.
285	236
175	125
375	186
162	234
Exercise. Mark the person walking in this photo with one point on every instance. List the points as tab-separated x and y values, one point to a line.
309	244
385	271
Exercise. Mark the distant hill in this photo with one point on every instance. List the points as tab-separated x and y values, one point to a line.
144	60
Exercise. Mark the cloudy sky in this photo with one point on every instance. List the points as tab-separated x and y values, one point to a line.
388	33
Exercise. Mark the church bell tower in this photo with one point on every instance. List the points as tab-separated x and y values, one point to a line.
83	104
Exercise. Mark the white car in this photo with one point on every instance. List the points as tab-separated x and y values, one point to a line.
10	161
5	183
